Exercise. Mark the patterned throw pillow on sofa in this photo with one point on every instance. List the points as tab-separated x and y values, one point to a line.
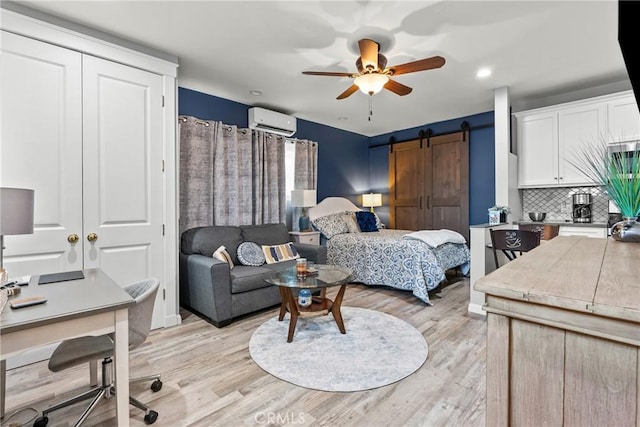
331	225
222	254
279	253
250	253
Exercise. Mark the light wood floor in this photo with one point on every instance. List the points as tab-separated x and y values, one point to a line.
210	379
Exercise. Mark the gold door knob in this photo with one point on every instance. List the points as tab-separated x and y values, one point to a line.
92	237
73	238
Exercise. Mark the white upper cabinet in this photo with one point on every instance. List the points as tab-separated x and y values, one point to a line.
538	149
577	127
550	138
624	120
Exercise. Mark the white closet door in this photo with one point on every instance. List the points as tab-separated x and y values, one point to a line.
41	149
122	154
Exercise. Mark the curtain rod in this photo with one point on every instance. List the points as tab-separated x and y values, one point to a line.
184	119
198	121
464	126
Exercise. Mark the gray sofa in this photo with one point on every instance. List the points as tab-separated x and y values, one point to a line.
209	287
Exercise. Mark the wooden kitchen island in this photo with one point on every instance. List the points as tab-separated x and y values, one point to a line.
563	335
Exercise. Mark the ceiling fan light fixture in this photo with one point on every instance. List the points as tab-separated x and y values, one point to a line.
371	83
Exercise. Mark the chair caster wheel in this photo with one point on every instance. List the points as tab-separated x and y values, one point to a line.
156	385
41	422
151	417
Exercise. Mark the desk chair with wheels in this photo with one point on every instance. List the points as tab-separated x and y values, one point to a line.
513	242
90	349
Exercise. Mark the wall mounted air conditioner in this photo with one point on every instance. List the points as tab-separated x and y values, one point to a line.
271	121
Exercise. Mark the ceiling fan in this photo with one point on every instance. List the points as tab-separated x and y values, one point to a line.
373	74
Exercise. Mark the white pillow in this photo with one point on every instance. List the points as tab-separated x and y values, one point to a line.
350	219
222	254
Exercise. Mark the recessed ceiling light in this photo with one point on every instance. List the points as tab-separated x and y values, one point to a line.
255	92
483	72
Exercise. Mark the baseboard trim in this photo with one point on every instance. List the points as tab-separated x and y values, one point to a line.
476	309
174	320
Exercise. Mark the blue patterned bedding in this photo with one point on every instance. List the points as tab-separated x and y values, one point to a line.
385	258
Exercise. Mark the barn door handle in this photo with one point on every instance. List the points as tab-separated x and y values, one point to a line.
420	202
428	201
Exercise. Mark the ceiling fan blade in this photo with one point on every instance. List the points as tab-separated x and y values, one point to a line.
397	88
352	89
327	73
421	65
369	54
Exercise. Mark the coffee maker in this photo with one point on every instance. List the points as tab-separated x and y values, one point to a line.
581	207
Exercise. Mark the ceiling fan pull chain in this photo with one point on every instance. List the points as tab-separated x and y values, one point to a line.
370	106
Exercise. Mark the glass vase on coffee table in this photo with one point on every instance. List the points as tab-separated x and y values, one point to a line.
324	276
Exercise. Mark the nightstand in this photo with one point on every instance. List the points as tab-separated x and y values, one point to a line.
307	237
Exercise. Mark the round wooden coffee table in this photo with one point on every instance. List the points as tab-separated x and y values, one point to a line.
328	276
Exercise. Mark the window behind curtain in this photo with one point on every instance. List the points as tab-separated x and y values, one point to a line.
289	169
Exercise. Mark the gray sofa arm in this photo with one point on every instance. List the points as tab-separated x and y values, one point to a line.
315	253
209	288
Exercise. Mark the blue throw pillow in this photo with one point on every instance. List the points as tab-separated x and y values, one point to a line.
366	221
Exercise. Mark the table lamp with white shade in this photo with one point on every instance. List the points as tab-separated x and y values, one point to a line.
16	214
371	200
303	199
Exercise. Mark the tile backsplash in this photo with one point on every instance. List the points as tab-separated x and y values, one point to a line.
558	204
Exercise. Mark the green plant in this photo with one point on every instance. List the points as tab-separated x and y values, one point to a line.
501	209
617	173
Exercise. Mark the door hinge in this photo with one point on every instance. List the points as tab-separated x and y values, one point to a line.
163	229
163	166
164	294
163	100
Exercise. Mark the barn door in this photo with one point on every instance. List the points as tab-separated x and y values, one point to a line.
449	199
407	201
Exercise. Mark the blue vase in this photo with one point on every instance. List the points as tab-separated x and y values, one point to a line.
303	223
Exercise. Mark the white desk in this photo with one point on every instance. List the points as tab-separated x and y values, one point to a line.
95	305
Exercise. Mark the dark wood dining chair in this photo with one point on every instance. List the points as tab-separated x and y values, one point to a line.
513	243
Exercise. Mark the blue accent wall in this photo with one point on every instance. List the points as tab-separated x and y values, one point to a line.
481	161
350	164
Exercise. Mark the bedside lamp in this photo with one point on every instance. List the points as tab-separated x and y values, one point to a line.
16	214
303	199
371	200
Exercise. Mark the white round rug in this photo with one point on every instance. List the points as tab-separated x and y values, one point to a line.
378	349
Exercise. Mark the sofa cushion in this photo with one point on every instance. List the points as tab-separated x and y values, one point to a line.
244	278
250	253
265	234
205	240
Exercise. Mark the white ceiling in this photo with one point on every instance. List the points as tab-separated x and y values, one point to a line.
537	49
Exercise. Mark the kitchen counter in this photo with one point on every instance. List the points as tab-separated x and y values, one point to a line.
561	223
564	335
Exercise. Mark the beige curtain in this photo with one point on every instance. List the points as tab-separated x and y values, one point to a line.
306	171
270	201
196	172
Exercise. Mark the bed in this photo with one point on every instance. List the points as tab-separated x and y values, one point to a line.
387	257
